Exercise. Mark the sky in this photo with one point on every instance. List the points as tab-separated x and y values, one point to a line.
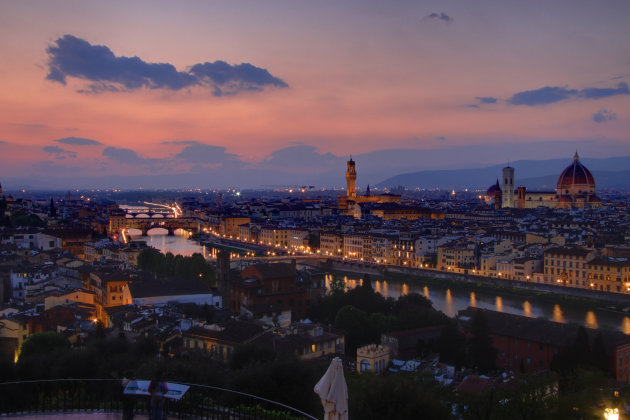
253	93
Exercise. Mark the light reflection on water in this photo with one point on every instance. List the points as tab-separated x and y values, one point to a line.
451	301
498	303
557	314
449	307
177	244
443	299
591	320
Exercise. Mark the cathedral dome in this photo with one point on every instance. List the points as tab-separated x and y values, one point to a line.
576	178
493	189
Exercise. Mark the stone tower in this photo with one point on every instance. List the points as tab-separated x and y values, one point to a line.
508	187
223	276
351	177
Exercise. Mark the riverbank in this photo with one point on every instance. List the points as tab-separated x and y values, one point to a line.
544	292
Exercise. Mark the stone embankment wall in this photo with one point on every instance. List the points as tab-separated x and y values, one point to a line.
360	268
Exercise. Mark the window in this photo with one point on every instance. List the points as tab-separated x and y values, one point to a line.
365	366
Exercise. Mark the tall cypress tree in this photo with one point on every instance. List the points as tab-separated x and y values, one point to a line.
599	358
52	211
481	352
581	347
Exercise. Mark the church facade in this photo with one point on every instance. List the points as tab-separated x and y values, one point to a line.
575	189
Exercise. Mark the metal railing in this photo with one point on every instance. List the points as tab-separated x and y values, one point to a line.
105	395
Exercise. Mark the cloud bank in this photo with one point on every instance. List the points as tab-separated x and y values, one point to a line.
552	94
74	57
78	141
440	16
122	155
604	115
201	153
486	99
59	152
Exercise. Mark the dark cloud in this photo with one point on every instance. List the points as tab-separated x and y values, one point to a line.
3	142
200	153
548	94
604	115
302	156
597	93
78	141
59	152
75	57
440	16
123	155
440	138
486	99
70	56
472	106
228	79
98	88
542	96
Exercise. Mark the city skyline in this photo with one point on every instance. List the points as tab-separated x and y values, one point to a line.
287	91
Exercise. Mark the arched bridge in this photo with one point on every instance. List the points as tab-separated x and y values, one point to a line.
149	214
145	224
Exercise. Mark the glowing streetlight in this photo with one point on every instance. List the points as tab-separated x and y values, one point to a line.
611	413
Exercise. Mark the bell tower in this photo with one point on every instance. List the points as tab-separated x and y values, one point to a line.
351	177
508	187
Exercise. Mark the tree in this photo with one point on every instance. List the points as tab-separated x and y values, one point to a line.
400	396
337	285
358	327
43	343
250	354
599	359
451	345
581	349
52	211
481	353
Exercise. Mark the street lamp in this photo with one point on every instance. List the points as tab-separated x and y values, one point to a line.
611	413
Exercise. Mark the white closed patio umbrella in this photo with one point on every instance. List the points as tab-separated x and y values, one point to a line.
333	392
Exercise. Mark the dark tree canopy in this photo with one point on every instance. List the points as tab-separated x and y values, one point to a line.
171	266
481	352
43	343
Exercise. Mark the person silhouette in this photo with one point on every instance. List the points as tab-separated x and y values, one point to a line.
157	389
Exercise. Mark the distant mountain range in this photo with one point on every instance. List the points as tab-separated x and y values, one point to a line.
303	165
613	173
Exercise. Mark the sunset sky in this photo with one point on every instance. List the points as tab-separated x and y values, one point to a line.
232	92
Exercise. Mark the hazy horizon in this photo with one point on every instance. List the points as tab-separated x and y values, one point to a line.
255	93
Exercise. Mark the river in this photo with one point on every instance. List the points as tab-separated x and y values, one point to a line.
176	244
446	300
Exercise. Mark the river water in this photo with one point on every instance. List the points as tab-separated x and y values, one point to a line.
176	244
444	299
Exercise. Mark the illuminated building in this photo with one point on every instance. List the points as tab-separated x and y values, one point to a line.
575	188
348	203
